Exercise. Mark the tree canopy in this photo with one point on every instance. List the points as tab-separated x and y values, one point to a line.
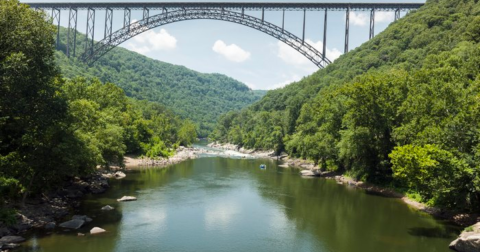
400	110
199	97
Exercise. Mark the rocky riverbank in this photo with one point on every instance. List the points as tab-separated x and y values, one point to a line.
182	154
46	210
461	219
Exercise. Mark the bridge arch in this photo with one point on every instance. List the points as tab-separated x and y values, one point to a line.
102	47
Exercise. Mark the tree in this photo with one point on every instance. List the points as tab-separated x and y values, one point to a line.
35	140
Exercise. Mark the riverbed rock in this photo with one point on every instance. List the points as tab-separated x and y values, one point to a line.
107	208
11	239
73	224
127	198
308	173
97	230
107	175
468	241
466	244
7	246
82	217
120	175
50	225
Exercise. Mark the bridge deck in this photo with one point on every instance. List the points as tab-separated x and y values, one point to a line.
229	5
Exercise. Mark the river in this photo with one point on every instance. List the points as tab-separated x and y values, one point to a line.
229	204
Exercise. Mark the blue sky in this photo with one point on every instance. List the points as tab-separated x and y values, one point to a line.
250	56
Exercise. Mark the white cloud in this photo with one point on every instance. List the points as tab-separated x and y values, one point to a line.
152	41
292	57
384	16
231	52
359	19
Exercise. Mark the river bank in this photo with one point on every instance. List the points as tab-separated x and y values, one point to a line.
46	211
461	219
181	154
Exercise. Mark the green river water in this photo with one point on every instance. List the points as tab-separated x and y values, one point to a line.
227	204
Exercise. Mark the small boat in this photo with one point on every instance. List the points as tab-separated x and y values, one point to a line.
263	166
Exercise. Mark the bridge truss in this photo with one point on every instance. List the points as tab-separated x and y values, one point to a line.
230	12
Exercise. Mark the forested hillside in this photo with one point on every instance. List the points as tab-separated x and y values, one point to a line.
400	110
197	96
52	128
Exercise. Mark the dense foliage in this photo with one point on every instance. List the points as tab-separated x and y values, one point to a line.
199	97
402	109
52	128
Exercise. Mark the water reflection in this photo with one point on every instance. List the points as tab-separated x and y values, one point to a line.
220	204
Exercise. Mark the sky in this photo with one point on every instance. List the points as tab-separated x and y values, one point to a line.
250	56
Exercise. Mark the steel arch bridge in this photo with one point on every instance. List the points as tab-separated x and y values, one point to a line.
120	36
225	11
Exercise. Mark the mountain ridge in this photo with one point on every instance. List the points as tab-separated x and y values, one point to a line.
200	97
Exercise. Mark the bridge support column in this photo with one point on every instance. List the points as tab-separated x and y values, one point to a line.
127	14
372	24
304	19
347	29
325	36
263	14
108	23
56	21
72	32
90	34
146	14
243	12
283	21
397	14
165	11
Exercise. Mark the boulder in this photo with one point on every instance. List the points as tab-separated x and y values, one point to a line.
11	239
82	217
308	173
107	208
468	241
50	225
97	230
107	175
73	224
120	175
127	198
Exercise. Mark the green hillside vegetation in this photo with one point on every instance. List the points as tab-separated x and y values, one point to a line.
199	97
53	128
401	110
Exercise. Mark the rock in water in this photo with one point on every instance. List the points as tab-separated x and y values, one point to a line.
107	208
11	239
308	173
120	175
97	230
82	217
127	198
469	241
50	225
73	224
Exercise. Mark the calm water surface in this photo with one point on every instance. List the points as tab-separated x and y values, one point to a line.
221	204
